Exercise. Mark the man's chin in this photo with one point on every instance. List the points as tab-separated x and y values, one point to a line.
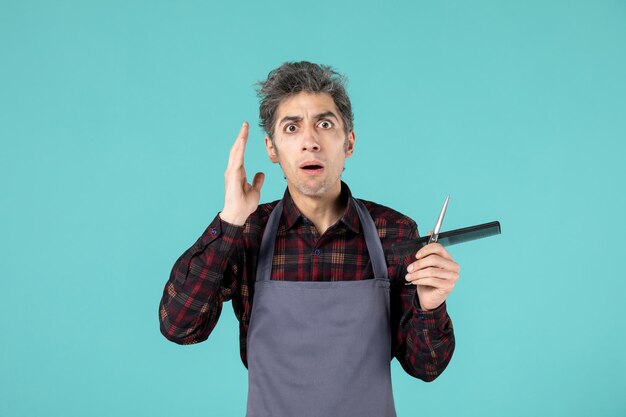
315	187
314	190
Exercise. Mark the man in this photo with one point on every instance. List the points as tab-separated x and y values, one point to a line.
322	301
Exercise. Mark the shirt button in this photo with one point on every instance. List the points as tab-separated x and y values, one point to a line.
422	317
214	231
317	252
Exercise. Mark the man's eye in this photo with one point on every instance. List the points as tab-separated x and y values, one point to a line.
325	124
290	128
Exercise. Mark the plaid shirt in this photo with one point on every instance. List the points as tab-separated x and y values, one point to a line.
221	266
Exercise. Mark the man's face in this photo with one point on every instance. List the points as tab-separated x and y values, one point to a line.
310	144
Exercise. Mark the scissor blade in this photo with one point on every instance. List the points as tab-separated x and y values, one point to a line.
440	219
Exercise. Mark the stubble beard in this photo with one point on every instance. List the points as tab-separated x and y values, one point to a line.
318	189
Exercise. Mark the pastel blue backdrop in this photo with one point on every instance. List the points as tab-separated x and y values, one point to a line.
116	119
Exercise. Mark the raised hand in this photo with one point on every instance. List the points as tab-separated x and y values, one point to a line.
241	198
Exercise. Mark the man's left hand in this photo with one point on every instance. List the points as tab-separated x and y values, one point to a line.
434	274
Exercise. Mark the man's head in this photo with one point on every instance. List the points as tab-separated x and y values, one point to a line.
307	116
294	77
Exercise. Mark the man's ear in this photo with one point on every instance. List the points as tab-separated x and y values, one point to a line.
271	150
350	144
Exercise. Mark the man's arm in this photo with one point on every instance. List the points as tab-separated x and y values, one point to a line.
201	280
207	274
427	340
425	336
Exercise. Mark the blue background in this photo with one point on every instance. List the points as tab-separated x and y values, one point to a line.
116	119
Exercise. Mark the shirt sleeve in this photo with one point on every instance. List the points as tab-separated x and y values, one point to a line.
202	278
424	340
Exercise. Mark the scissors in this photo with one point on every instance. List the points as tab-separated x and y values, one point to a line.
435	235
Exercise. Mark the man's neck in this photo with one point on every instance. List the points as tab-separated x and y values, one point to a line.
323	211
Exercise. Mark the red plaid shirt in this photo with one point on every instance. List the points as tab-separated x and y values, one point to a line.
221	266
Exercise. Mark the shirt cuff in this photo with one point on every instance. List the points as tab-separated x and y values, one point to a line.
219	228
432	319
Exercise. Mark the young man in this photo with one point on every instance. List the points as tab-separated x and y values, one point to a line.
322	301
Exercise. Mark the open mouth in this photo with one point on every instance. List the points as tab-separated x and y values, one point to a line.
312	167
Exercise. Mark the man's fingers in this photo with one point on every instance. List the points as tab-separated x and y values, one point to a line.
243	132
434	261
433	272
257	181
433	249
237	151
442	284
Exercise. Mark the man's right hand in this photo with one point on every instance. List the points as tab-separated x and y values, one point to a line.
241	198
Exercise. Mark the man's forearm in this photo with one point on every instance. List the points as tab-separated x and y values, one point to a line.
192	298
429	345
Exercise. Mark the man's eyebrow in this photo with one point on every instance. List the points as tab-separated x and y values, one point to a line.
326	115
322	115
289	119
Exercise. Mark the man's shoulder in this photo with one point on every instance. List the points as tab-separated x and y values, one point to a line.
256	222
265	209
386	218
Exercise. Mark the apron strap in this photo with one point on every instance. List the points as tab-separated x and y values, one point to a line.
372	241
266	254
374	247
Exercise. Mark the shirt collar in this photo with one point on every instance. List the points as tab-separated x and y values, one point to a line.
350	218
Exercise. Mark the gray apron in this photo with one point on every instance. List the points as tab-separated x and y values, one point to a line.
320	348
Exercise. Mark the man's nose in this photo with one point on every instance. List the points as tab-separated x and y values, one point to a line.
310	140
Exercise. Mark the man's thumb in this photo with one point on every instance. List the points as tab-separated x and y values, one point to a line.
257	181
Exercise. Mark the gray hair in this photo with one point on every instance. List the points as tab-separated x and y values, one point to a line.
294	77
